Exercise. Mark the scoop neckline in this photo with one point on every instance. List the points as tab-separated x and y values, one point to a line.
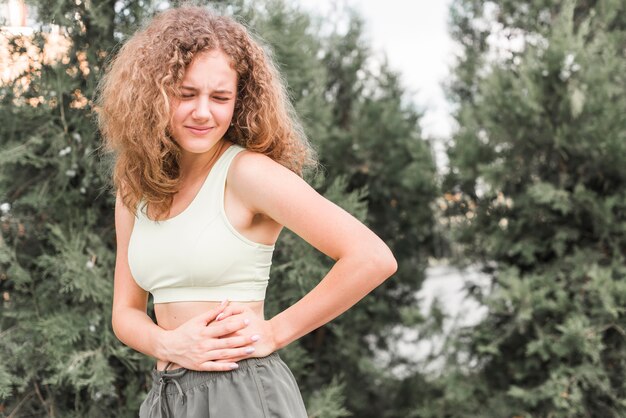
204	182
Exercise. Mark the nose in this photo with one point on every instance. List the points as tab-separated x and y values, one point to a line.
202	109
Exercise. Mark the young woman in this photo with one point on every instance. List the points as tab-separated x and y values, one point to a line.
209	158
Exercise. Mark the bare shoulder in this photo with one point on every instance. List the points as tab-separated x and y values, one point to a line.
124	219
256	178
248	165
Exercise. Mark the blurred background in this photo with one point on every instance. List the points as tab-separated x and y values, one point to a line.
484	141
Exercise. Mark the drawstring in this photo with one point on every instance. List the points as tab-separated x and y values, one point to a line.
163	381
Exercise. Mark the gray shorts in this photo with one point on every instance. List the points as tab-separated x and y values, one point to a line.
261	387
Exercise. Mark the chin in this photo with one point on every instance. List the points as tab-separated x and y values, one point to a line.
196	146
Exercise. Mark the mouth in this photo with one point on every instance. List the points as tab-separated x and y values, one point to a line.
199	130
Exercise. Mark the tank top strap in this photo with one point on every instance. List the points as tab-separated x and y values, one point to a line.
225	163
211	194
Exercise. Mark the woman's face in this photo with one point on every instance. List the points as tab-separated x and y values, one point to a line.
201	115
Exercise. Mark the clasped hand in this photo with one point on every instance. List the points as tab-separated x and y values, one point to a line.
218	338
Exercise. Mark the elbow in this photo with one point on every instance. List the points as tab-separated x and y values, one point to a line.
389	264
115	324
393	265
383	262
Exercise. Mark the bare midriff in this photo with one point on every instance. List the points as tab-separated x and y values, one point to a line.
172	315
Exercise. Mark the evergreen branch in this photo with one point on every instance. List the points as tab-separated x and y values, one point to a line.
62	108
15	153
616	327
19	405
6	331
25	185
43	401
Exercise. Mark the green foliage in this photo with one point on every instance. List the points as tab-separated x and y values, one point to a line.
60	356
57	245
328	402
537	194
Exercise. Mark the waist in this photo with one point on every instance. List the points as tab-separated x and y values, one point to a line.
172	315
244	291
188	379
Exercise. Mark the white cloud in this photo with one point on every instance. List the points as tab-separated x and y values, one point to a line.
414	36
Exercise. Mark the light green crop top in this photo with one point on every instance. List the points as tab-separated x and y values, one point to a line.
198	255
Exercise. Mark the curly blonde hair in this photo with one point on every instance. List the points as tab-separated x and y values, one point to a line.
134	103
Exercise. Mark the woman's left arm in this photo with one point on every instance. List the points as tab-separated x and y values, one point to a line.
363	260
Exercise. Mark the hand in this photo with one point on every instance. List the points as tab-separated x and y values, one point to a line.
258	330
199	343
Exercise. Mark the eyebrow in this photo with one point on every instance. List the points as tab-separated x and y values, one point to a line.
216	91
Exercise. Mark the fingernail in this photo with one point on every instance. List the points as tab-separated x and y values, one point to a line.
255	337
246	321
250	350
234	366
220	316
223	303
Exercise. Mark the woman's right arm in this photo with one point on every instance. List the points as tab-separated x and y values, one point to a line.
194	345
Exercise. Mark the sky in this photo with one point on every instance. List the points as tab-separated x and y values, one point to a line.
414	36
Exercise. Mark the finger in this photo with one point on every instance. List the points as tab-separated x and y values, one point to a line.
232	360
213	366
233	334
233	342
230	353
230	311
217	329
211	314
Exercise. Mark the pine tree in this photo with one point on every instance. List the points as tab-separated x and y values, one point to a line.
373	140
537	194
60	356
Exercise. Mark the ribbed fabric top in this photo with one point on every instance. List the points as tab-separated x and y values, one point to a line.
198	255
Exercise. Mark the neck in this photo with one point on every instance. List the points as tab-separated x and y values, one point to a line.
193	165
